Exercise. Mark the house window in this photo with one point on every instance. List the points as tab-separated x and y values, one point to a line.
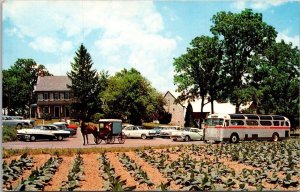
45	96
56	96
67	95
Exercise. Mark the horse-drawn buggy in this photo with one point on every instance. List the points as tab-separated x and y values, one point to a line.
110	130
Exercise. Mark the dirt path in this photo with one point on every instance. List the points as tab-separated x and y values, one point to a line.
92	180
60	175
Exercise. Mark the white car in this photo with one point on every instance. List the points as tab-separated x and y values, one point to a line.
42	132
138	132
188	134
167	131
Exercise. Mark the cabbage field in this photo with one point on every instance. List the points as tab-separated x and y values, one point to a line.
242	166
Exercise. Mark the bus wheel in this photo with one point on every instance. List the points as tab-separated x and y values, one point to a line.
234	138
275	137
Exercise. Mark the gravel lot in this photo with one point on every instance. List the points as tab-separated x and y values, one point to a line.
77	142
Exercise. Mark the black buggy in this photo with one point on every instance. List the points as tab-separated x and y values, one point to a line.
110	130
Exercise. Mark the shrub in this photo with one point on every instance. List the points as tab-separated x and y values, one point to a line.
95	118
9	133
46	116
165	118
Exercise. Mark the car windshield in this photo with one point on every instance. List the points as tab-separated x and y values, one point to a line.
214	121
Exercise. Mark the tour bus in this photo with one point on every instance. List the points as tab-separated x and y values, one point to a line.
236	127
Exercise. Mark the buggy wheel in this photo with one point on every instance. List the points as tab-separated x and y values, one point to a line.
108	139
121	138
97	140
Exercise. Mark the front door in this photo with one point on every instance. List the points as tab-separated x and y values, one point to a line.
56	111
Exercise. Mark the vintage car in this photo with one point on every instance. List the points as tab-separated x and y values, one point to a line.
138	132
166	131
42	132
17	121
64	127
70	126
188	134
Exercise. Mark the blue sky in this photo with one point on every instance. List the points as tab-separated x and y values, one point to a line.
146	35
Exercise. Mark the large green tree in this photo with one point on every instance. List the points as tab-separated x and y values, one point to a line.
197	72
85	84
18	85
244	36
275	81
129	96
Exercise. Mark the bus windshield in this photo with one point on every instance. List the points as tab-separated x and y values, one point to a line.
214	121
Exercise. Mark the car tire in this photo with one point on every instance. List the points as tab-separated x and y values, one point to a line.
187	138
60	137
174	139
143	136
19	126
32	138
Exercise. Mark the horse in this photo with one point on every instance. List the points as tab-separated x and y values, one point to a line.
88	129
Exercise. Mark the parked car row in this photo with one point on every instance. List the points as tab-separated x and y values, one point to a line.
58	131
17	121
61	130
173	132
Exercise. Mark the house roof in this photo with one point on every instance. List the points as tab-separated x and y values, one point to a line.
172	94
52	83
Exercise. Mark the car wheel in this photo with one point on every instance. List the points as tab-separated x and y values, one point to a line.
143	136
32	138
187	138
174	139
60	138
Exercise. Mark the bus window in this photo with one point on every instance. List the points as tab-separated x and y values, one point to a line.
266	123
287	123
251	122
226	122
237	122
282	123
214	122
276	123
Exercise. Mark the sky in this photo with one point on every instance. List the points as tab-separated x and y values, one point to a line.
146	35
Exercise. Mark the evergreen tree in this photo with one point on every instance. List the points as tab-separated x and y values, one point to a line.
85	84
189	120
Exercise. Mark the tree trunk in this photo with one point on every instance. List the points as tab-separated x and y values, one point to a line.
212	104
202	106
237	105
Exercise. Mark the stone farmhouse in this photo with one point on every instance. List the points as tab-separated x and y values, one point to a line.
53	96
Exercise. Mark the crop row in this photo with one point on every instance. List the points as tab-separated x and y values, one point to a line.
40	177
277	157
15	169
194	167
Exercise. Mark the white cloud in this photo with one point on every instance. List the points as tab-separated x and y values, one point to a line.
257	4
50	45
61	67
295	40
125	34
